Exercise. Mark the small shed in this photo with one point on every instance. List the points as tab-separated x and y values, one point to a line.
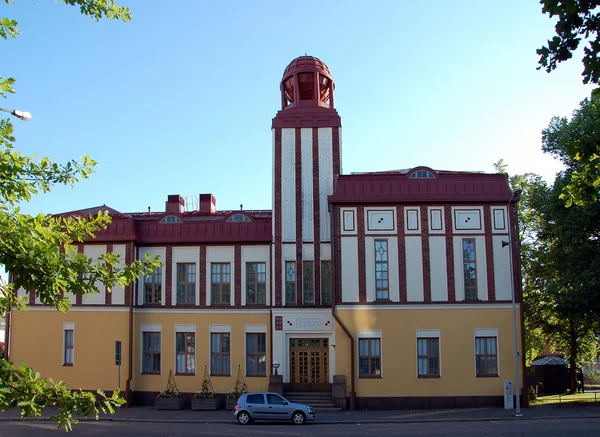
549	374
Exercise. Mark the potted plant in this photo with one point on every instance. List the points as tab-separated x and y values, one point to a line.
170	398
234	394
206	398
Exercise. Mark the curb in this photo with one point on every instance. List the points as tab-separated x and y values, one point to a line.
324	422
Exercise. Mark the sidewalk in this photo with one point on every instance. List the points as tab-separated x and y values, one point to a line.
149	414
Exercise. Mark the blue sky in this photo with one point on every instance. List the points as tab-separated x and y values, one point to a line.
180	99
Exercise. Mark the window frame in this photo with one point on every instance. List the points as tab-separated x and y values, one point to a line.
308	282
256	354
189	295
380	288
370	358
327	284
427	357
485	356
152	353
260	287
290	283
69	349
221	353
185	353
220	285
153	289
170	219
238	218
471	291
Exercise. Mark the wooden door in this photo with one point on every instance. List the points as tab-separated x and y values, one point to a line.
309	361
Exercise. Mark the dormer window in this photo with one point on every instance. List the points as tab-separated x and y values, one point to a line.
238	218
170	219
422	174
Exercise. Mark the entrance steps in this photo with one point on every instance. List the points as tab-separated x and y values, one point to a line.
322	402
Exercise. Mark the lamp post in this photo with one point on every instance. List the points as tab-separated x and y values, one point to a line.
21	115
510	243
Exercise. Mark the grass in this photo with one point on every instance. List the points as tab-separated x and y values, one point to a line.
566	399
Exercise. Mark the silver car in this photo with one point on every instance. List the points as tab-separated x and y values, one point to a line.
271	406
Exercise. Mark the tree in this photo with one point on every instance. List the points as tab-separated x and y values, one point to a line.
560	266
576	19
40	253
531	185
577	144
566	289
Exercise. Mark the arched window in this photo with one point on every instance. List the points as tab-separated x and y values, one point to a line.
238	218
170	219
422	174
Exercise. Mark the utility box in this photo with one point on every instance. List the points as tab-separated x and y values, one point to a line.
508	395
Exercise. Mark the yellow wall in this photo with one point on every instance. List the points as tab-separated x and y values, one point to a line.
37	340
221	384
399	351
37	337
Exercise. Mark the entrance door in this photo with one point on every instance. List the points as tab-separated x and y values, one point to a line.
309	364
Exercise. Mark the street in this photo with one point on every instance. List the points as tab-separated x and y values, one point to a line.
501	428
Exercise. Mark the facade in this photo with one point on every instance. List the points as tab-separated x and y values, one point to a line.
399	281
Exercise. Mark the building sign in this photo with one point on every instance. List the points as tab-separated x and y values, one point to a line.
309	323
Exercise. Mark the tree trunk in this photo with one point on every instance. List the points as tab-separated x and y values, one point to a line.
573	359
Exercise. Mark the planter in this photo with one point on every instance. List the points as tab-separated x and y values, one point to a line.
230	404
203	404
169	403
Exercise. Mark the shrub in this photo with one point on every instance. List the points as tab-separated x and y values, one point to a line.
532	395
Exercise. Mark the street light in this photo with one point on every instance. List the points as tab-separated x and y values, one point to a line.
21	115
514	304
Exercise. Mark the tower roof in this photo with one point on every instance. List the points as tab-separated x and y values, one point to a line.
304	64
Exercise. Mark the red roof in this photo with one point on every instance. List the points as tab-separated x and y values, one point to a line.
398	187
304	64
195	227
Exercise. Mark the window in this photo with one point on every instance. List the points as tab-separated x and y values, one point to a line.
220	354
237	218
186	283
170	219
275	399
152	287
256	286
421	174
308	282
220	283
369	350
428	357
185	348
382	285
256	354
151	352
69	346
326	282
470	268
290	283
258	398
306	86
486	356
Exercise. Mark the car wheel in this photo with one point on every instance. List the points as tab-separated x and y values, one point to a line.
244	418
299	418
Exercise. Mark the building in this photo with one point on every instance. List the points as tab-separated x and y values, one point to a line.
398	281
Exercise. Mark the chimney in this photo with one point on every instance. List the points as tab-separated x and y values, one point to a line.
175	204
208	203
